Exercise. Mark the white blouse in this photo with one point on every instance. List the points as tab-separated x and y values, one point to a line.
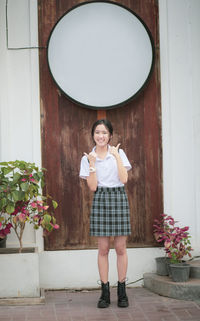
106	169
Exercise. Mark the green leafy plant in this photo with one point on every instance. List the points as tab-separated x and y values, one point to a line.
176	240
21	199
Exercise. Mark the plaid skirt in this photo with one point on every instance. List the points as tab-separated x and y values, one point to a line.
110	215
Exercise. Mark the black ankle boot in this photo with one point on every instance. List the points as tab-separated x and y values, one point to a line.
122	297
104	300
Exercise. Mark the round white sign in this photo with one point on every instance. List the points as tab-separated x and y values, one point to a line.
100	54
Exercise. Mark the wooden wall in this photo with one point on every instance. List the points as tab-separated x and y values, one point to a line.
66	136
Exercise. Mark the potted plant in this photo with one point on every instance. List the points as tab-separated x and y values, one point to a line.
159	234
177	245
22	203
21	200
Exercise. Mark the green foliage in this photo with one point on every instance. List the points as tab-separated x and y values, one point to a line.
21	199
55	204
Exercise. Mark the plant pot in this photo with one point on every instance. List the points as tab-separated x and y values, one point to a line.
3	242
161	265
168	268
180	272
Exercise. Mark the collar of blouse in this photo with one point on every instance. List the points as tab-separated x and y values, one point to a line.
108	155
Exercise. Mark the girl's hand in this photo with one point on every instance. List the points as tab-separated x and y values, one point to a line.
91	157
114	150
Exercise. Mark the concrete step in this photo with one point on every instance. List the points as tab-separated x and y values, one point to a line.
163	285
195	269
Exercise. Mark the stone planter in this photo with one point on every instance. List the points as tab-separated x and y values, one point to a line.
180	272
161	265
19	274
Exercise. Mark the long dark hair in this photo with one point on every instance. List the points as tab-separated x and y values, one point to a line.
104	122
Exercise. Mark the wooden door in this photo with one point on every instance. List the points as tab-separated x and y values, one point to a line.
66	127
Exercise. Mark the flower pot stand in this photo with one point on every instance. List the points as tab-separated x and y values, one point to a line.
163	285
19	275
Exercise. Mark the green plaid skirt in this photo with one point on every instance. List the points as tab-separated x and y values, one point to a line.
110	215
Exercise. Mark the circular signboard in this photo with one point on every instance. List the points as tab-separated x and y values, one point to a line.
100	54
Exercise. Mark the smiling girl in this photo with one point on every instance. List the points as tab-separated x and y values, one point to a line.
105	169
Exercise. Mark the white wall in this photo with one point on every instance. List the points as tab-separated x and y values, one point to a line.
78	269
180	89
19	91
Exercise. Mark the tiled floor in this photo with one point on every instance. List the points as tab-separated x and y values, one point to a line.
81	306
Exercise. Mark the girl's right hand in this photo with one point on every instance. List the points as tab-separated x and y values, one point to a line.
91	157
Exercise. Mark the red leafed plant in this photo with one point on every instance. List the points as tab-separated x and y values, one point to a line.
22	201
176	240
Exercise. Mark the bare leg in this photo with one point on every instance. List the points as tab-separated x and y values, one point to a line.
103	246
122	259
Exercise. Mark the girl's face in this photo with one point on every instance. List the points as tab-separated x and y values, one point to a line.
101	135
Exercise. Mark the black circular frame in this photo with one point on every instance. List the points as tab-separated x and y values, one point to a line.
145	82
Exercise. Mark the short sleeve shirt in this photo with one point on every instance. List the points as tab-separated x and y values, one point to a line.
106	169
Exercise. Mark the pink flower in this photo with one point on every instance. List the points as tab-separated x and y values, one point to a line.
22	217
56	226
186	228
23	179
32	180
40	209
7	229
167	244
34	205
45	207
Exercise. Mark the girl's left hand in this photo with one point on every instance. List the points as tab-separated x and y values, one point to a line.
114	150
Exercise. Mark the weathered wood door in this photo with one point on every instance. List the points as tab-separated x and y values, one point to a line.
66	129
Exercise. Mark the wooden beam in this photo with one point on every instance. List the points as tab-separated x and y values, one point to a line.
101	114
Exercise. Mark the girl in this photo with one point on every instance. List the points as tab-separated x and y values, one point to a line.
105	170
